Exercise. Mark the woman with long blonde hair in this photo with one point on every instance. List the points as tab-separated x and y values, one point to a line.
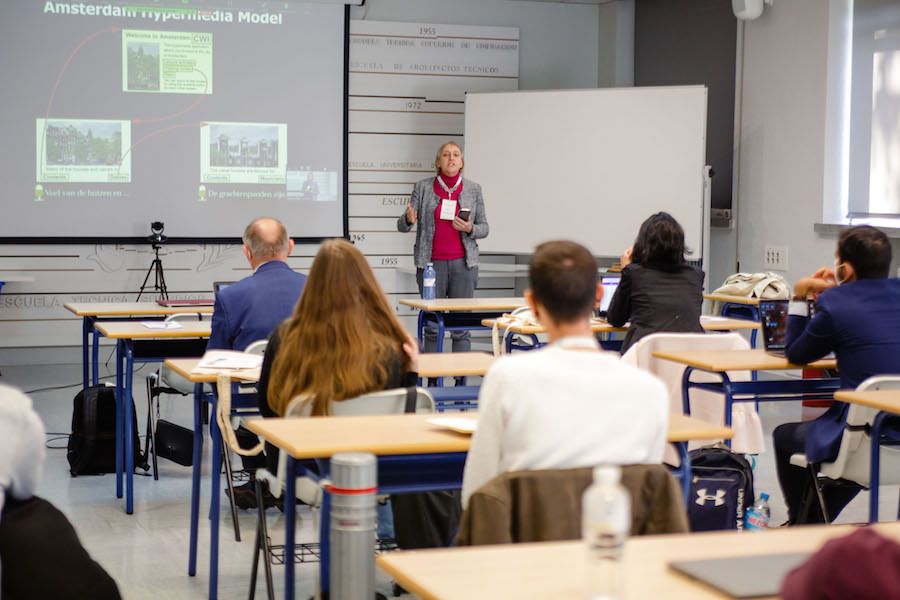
343	341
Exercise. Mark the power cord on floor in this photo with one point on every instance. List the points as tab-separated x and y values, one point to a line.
71	385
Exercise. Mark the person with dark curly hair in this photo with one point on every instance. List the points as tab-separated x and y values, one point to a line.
659	291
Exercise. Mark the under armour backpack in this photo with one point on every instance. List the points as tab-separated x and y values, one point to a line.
721	489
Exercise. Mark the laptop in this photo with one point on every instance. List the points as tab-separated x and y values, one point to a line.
773	316
220	285
743	576
610	284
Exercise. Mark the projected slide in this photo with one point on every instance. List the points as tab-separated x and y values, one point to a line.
164	61
184	112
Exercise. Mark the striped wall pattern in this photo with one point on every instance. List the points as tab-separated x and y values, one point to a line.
407	88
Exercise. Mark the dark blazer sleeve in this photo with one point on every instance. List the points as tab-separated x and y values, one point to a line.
808	339
262	388
619	311
221	336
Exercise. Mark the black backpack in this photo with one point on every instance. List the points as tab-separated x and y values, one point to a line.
92	443
721	489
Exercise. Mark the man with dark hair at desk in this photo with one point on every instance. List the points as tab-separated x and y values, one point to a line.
857	316
569	404
251	309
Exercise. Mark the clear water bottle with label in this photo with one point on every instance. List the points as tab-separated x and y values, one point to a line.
428	280
606	521
757	518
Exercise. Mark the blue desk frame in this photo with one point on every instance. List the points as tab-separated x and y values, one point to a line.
397	474
876	433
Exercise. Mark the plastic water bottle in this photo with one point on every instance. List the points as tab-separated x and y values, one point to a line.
758	515
428	279
606	521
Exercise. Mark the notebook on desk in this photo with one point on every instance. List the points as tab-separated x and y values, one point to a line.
743	576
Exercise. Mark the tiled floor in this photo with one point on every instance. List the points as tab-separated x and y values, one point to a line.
147	552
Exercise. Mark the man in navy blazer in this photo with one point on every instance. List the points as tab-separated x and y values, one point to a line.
857	316
252	308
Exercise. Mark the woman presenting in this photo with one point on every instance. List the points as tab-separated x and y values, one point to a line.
450	212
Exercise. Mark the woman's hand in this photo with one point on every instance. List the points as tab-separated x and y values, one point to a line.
625	259
460	225
410	214
411	347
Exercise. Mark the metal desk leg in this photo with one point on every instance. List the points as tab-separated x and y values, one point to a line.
727	393
86	327
325	544
420	330
875	465
95	354
195	479
686	390
290	516
120	408
129	430
684	471
441	332
216	438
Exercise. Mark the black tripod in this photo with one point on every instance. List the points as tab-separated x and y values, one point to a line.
159	277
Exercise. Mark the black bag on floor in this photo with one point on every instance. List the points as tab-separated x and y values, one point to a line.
721	489
174	442
92	443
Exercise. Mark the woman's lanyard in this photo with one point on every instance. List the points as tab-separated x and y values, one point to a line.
577	343
448	189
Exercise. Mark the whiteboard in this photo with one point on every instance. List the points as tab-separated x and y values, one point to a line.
587	165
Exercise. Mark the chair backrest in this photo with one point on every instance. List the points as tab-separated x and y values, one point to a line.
258	347
854	455
386	402
708	406
545	505
375	403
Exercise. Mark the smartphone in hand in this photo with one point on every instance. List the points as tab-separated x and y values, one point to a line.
465	213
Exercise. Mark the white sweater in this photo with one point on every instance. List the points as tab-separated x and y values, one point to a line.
565	406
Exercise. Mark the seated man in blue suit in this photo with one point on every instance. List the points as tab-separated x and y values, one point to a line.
857	316
252	308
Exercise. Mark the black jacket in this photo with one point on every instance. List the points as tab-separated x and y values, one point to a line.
657	300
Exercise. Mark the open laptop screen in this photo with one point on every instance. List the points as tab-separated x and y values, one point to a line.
609	289
773	316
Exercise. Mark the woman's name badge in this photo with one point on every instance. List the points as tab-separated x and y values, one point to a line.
448	210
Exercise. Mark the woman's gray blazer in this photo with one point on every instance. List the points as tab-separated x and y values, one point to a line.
425	201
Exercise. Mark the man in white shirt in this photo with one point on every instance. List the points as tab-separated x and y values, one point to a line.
569	404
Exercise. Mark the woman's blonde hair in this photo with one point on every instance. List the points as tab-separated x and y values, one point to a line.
343	335
437	157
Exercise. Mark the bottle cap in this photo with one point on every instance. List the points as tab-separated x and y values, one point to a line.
607	474
764	496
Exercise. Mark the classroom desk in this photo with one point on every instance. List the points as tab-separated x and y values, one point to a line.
457	314
738	307
721	361
557	569
93	312
709	323
430	365
129	336
887	403
413	456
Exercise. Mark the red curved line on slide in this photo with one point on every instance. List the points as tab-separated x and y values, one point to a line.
62	72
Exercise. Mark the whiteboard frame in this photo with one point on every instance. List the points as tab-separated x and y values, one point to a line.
511	151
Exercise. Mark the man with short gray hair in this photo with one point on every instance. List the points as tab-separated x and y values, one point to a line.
252	308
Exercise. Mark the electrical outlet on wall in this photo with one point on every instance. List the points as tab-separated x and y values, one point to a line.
776	257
